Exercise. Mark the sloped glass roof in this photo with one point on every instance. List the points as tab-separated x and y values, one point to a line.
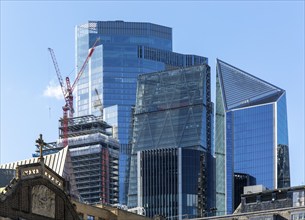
242	89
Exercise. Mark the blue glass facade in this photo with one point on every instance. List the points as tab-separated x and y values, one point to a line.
229	155
126	49
254	143
283	171
171	168
190	168
251	133
282	127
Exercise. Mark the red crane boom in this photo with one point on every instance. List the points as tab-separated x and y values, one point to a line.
68	90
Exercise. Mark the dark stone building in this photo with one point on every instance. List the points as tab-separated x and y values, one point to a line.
37	192
279	204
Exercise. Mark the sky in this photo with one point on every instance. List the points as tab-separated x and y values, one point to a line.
263	38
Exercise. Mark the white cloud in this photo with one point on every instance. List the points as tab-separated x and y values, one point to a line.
53	91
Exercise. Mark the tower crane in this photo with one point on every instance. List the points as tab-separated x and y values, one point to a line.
98	103
67	90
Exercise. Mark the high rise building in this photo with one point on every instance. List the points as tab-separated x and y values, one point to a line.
94	155
126	50
93	158
171	148
251	133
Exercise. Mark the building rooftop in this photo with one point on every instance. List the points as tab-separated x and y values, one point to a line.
278	204
242	89
55	161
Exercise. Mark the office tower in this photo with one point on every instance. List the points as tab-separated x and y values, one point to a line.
171	146
94	156
251	133
126	49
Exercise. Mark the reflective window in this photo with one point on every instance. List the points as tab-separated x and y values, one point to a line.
251	130
116	64
253	142
298	198
297	216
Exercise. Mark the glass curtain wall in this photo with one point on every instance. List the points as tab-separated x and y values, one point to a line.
172	116
251	133
126	49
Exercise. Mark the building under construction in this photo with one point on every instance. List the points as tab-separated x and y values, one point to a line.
94	154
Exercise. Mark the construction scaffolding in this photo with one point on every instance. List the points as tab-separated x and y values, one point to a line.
94	154
94	157
84	125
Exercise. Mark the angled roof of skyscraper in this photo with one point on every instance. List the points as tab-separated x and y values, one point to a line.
242	89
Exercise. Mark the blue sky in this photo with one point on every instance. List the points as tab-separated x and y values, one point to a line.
264	38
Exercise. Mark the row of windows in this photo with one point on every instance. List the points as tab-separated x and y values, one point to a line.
110	84
83	91
170	58
129	28
159	180
123	71
298	216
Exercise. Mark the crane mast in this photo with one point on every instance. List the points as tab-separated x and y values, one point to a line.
68	90
98	103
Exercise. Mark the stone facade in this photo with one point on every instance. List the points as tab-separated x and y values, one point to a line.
37	193
105	212
280	204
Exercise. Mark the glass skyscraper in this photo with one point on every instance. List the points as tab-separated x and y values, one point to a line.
171	160
125	50
251	133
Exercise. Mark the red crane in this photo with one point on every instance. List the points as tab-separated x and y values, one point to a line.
68	90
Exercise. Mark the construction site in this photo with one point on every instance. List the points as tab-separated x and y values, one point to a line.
93	150
95	157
